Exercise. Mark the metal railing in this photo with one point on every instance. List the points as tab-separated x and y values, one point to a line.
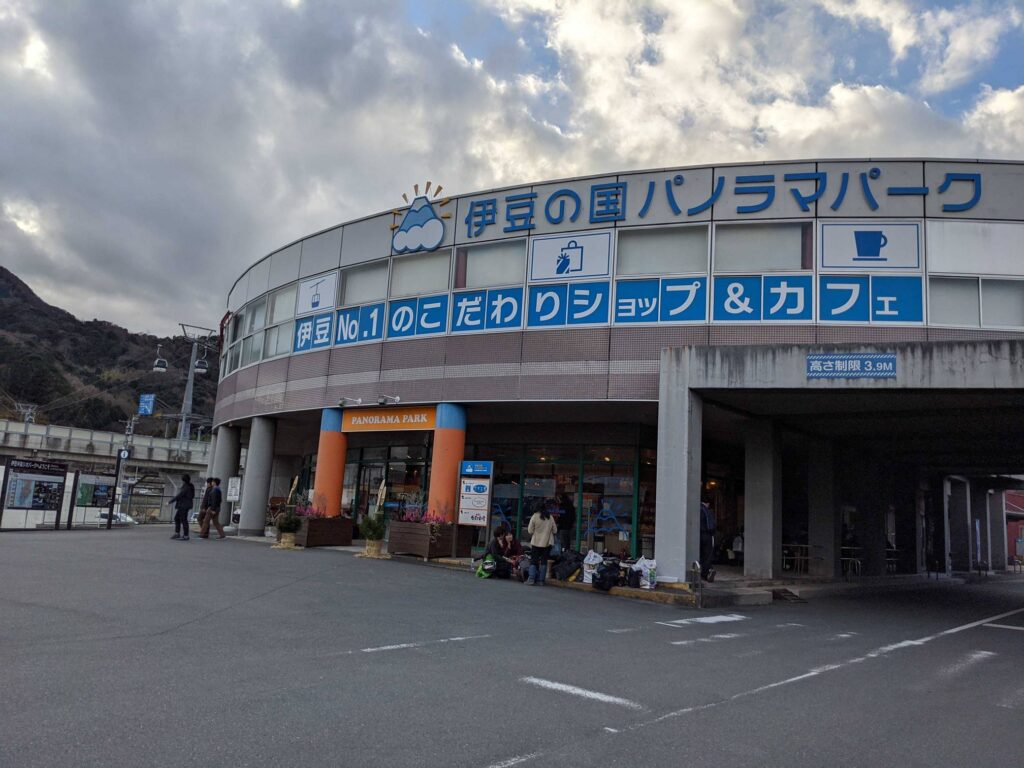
55	438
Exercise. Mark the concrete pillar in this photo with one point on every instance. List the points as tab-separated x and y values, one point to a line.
981	551
997	530
823	524
677	508
958	524
446	460
330	463
211	456
225	465
876	498
762	539
256	484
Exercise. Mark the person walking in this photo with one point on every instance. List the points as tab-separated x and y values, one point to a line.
182	506
211	509
707	542
542	529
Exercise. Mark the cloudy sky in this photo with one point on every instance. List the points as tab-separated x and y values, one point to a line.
151	150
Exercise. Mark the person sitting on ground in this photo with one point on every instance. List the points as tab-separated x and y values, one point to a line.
505	550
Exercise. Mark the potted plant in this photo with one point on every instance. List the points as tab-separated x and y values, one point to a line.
318	530
287	524
427	535
372	529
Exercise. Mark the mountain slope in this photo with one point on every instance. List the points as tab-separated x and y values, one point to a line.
88	374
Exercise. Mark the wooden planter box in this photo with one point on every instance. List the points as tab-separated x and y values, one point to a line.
325	532
414	539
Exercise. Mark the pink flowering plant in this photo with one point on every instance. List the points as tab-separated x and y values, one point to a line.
418	513
308	510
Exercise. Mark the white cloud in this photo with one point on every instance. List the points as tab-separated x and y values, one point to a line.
179	143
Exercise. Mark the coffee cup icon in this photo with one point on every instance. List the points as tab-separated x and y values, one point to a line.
870	244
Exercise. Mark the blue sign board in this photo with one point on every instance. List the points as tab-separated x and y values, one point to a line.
313	332
477	469
146	403
851	366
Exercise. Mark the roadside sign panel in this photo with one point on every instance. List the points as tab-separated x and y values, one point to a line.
851	366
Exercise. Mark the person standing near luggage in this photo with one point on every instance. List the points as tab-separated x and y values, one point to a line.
182	506
707	542
542	529
211	509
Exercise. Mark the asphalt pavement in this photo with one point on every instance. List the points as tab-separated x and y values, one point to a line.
125	648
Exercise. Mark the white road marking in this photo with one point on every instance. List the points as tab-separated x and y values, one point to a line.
620	631
703	620
403	646
883	651
711	639
515	760
966	663
551	685
1014	701
790	624
1005	626
843	635
611	730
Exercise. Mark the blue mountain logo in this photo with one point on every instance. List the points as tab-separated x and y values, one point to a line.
421	228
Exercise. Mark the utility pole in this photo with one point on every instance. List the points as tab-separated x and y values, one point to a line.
186	403
27	411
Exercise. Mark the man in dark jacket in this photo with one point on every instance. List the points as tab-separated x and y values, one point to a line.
707	542
211	509
182	506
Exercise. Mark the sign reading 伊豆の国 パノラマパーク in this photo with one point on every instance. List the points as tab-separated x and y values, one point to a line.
388	419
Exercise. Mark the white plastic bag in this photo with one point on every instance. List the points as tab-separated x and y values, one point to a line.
648	572
590	563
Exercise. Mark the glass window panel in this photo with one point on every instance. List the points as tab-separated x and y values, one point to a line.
284	338
485	266
283	304
348	488
246	350
610	453
403	452
235	354
237	327
607	522
270	342
761	247
256	315
663	251
413	275
549	452
361	285
252	347
1003	301
953	301
551	486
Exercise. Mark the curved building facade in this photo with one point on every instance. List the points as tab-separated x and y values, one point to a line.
526	326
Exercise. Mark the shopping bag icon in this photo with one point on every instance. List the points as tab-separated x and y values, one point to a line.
570	259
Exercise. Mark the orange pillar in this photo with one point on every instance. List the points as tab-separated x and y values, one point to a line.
330	463
449	451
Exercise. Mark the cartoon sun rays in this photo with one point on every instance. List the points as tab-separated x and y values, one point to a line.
422	227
